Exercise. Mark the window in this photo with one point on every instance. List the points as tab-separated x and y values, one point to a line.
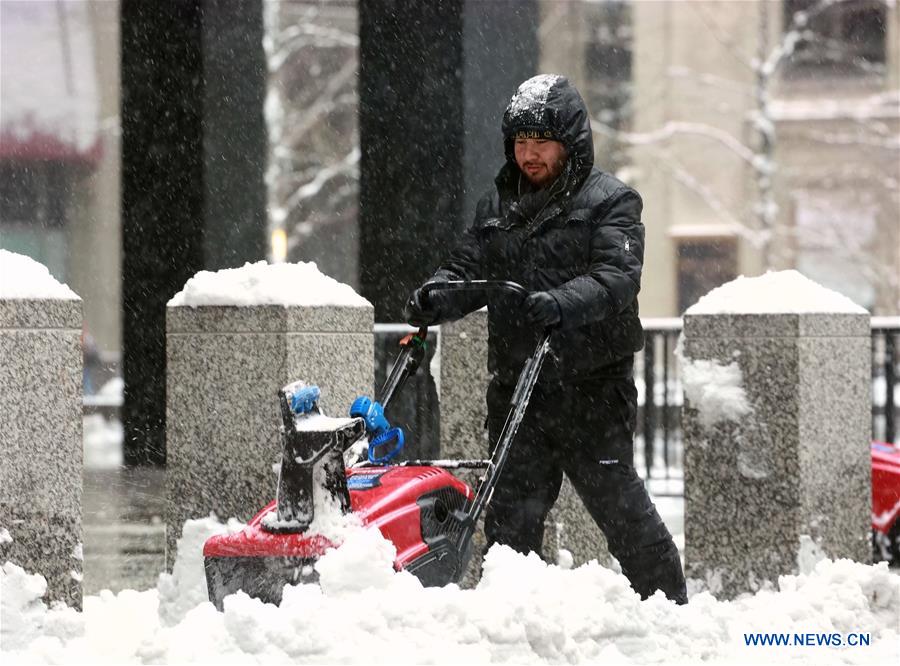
845	38
703	265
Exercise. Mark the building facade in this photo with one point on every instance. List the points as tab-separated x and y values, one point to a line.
761	134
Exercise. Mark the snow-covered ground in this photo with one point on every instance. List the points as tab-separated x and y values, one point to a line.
523	611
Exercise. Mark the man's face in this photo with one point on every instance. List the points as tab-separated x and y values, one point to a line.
541	160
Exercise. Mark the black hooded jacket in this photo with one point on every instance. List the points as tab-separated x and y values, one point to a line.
581	239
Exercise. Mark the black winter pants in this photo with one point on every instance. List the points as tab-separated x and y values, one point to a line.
586	431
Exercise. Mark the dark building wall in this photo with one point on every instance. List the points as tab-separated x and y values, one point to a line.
434	80
411	138
234	133
162	200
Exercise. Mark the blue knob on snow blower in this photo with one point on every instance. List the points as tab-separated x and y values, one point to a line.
372	412
302	401
380	432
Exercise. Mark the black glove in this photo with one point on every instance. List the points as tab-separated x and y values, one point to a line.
420	310
541	309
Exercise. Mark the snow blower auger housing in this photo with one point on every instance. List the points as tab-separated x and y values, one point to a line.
426	512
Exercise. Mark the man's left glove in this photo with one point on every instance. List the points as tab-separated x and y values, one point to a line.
541	309
419	310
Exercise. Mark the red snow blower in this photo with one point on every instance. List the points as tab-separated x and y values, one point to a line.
426	512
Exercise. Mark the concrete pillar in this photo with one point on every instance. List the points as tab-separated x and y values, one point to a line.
776	428
40	440
225	365
463	383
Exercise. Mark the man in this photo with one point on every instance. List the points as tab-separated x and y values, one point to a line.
572	236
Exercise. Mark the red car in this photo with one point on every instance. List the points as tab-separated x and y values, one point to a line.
886	502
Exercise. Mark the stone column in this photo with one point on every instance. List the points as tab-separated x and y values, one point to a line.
463	383
225	365
776	427
40	441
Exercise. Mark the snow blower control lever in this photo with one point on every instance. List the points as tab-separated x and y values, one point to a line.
386	442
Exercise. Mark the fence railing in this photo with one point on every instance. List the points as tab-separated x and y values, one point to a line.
885	374
659	449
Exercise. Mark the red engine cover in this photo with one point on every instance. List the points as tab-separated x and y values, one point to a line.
885	486
382	496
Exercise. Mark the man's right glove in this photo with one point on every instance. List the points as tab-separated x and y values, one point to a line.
541	309
420	310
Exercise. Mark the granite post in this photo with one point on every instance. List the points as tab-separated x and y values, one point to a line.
225	365
786	476
41	442
463	384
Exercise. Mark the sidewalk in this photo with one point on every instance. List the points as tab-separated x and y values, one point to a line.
124	532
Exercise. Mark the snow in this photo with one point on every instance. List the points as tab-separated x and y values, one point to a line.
261	283
22	277
320	423
524	611
102	441
715	390
532	93
48	73
185	588
776	292
113	389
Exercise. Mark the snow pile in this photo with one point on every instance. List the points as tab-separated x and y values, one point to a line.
780	292
102	442
364	561
262	283
25	620
113	390
185	587
23	277
524	611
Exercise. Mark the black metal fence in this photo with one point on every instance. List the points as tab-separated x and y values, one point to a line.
885	374
659	449
659	455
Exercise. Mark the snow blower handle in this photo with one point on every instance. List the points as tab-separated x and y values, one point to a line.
474	285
